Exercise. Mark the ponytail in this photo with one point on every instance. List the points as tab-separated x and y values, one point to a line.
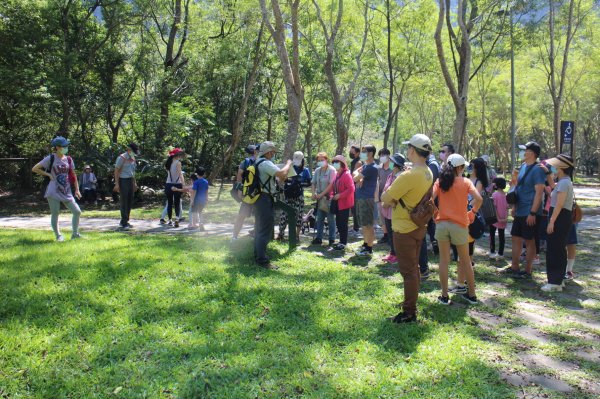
169	162
447	176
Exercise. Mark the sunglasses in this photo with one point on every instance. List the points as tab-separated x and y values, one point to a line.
442	151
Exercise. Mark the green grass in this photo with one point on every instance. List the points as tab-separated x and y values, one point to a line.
118	315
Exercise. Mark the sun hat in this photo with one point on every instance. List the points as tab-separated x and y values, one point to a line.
339	158
561	161
265	147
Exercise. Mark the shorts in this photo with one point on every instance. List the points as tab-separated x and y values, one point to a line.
448	231
365	212
572	237
521	229
198	207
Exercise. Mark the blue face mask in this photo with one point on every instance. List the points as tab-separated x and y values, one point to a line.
337	166
363	156
63	150
553	169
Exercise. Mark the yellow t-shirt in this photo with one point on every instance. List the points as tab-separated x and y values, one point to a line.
411	186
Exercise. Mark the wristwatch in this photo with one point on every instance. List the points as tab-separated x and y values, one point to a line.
532	213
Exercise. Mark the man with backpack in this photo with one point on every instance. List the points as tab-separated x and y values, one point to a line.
245	209
264	188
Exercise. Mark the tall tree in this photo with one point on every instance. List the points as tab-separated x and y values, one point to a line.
290	66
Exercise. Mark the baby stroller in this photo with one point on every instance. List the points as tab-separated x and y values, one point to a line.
309	221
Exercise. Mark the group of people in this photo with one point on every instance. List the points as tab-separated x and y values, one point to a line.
386	192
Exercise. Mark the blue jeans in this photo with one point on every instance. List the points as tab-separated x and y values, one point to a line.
320	224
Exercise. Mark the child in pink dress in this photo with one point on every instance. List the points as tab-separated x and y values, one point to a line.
499	198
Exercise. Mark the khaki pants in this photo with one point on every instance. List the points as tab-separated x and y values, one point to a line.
408	247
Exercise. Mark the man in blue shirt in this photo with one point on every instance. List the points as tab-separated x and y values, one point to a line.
365	178
528	210
199	197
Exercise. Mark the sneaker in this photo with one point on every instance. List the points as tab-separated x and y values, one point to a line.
383	240
458	289
552	288
499	257
471	299
424	275
162	221
129	225
124	228
331	242
404	318
75	236
364	252
524	275
435	247
339	247
60	238
170	223
492	255
536	260
509	271
316	241
386	257
392	259
444	300
176	224
569	276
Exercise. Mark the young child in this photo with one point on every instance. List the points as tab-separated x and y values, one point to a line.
499	198
199	198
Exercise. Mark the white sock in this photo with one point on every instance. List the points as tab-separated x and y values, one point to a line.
570	263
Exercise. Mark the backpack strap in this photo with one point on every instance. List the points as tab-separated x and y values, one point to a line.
430	192
256	174
49	170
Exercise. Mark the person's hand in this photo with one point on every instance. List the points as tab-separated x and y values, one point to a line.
530	220
544	168
77	194
116	189
288	162
336	197
135	187
471	216
50	176
314	196
240	194
550	228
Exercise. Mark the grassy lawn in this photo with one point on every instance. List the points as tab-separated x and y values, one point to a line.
157	316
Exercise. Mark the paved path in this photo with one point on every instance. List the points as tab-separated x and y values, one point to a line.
589	193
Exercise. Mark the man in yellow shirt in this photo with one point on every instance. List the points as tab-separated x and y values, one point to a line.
410	187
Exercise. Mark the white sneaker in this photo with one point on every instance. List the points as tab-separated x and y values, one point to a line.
60	238
491	255
499	257
552	288
536	260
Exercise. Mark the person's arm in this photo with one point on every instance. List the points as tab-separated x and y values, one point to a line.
396	191
283	172
357	175
537	202
40	169
549	177
561	197
118	167
180	173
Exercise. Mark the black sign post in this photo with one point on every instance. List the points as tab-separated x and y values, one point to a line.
567	134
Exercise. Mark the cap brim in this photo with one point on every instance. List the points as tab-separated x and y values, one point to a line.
557	163
522	147
406	142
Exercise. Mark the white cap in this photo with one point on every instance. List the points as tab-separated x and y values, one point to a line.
456	160
265	147
298	156
486	158
522	147
420	141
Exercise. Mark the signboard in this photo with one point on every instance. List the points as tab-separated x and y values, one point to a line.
567	129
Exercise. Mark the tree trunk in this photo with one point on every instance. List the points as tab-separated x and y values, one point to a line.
308	135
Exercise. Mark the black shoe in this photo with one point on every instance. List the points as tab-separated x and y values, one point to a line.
424	275
524	275
404	318
509	271
339	246
176	224
444	300
331	242
163	221
435	247
129	225
316	241
471	299
383	240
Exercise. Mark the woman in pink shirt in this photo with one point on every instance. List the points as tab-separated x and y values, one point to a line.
397	165
499	198
343	200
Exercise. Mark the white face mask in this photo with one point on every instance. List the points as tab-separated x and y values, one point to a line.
522	154
297	162
383	159
337	166
320	164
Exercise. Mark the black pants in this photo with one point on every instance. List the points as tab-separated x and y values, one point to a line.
501	240
126	197
341	221
354	219
431	230
388	226
89	195
173	199
556	248
264	221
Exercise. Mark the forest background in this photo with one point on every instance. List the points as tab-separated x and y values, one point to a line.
310	75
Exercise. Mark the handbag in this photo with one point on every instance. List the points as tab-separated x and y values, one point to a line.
577	213
511	197
488	209
324	204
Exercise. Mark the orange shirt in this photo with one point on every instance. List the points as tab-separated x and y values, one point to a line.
453	203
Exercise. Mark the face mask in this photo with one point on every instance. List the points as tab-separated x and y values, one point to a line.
63	150
442	156
363	156
521	154
383	159
297	162
337	166
320	164
553	169
392	165
352	156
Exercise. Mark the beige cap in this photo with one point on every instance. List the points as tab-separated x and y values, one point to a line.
420	141
265	147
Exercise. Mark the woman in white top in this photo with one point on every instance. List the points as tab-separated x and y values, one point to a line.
174	180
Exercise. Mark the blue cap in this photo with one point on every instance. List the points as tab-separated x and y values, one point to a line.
59	141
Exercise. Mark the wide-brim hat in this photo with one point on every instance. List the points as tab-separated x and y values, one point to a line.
398	159
561	161
265	147
175	152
